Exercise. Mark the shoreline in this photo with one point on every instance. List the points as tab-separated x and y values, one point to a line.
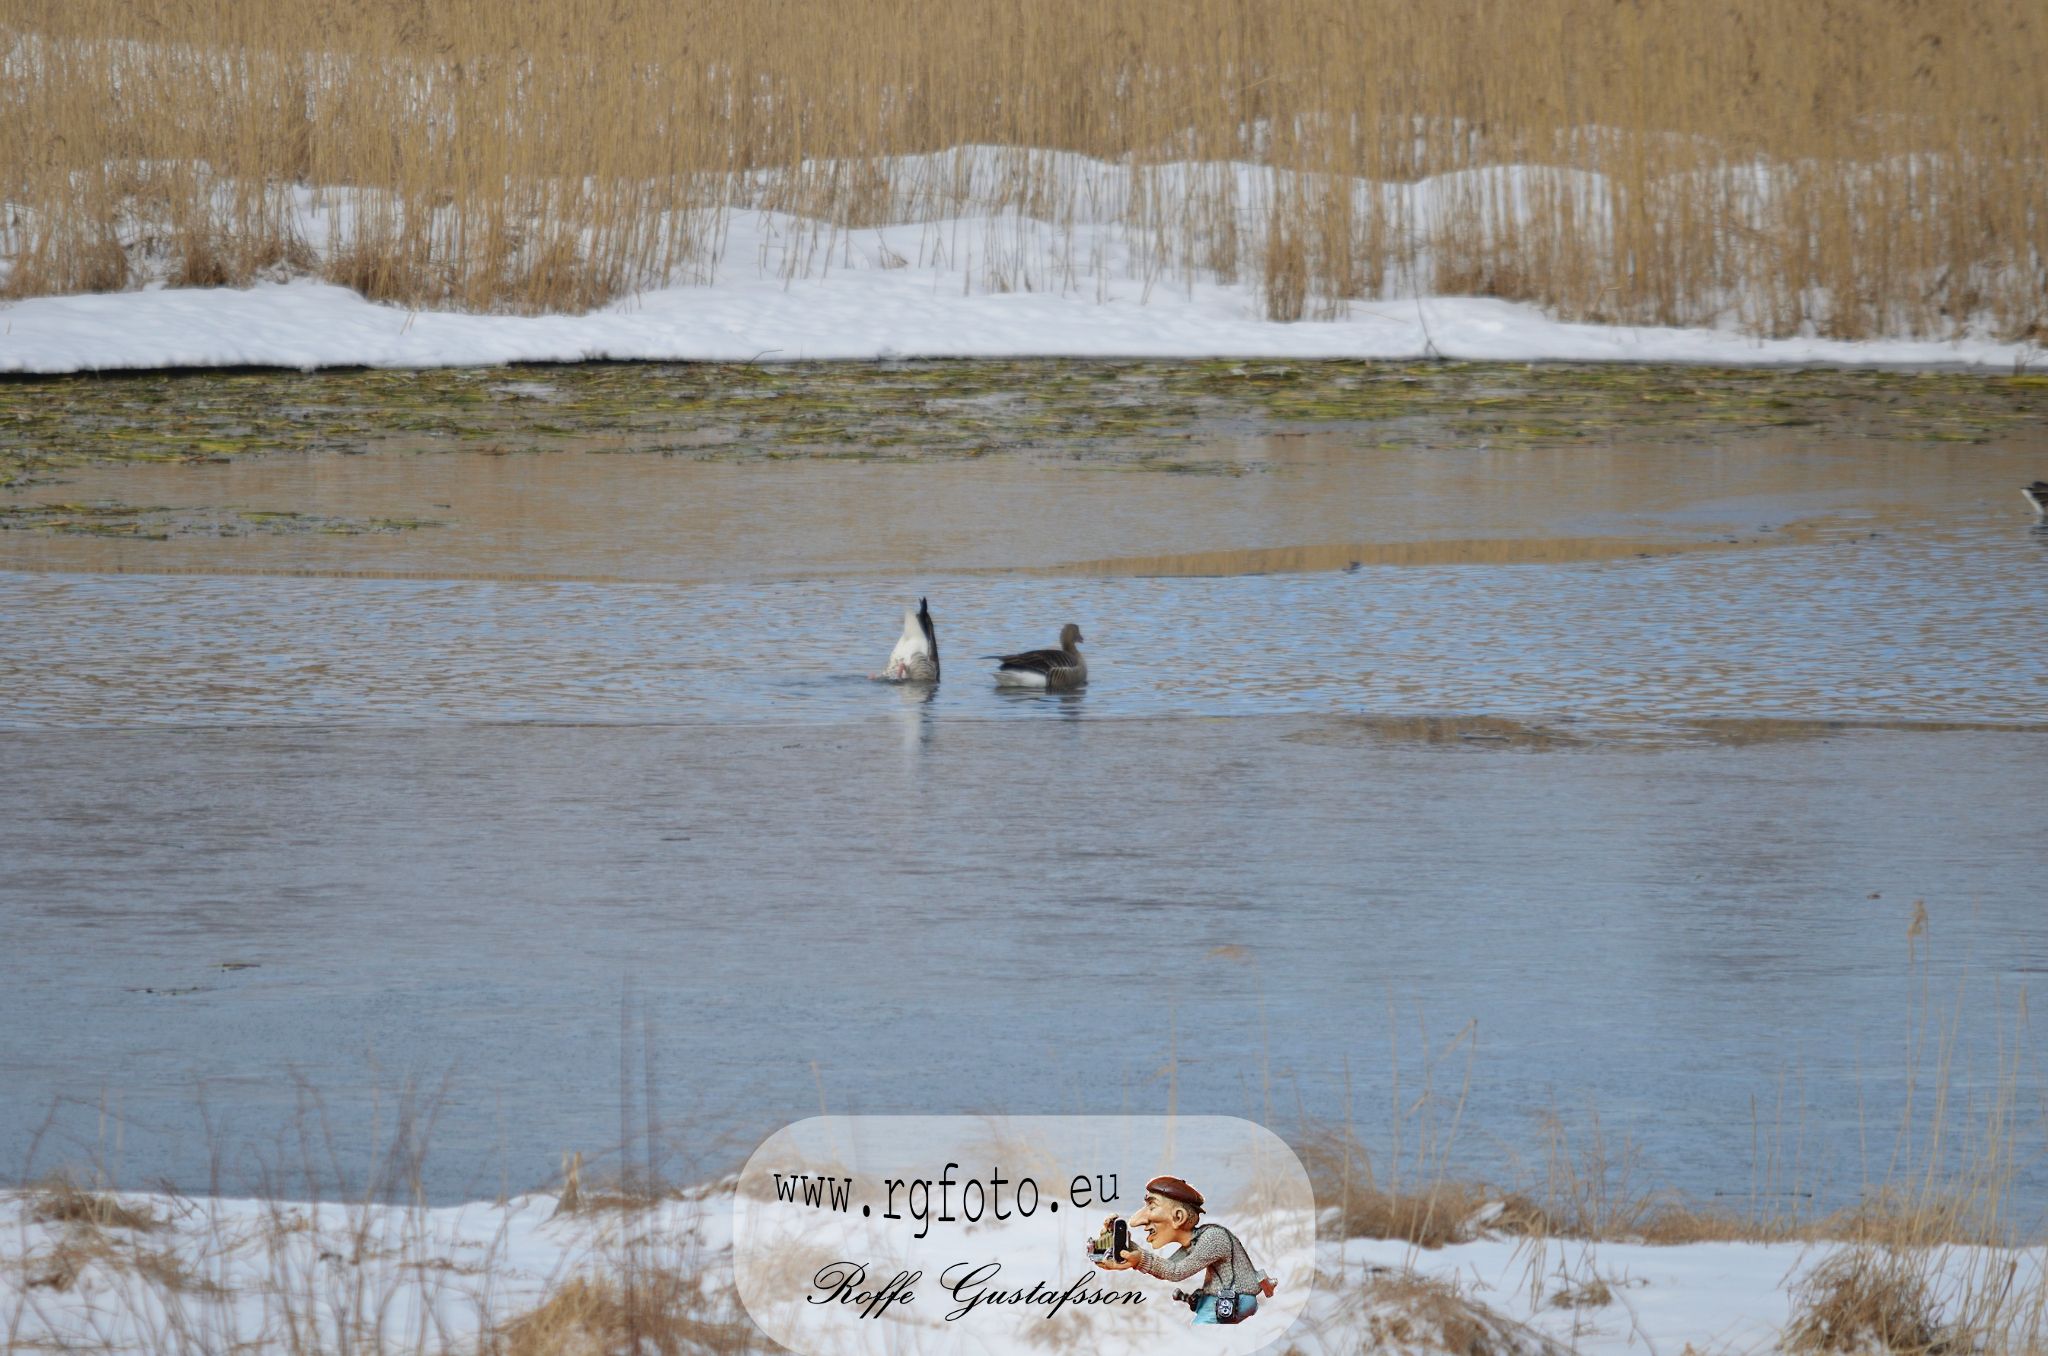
910	315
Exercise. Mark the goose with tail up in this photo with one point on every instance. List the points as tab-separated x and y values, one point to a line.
916	656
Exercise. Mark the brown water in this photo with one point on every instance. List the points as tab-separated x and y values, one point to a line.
1636	751
1319	500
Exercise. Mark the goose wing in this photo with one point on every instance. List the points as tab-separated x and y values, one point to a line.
1047	662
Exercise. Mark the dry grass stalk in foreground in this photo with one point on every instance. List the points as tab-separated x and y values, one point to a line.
1866	1299
59	1200
1861	166
1925	1264
1587	1195
1408	1313
645	1311
1432	1215
312	1280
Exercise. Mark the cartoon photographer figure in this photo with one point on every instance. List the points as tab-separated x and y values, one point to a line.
1231	1285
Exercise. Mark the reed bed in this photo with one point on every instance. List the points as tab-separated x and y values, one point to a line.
1846	167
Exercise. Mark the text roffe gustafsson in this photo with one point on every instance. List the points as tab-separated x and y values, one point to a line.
947	1199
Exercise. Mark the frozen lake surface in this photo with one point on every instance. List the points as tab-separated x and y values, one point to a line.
1635	756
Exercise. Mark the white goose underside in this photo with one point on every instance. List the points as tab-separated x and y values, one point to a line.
1020	678
1043	670
911	660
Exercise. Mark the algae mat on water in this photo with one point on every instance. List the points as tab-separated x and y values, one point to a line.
1144	416
146	522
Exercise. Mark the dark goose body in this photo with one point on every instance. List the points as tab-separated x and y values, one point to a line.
2037	495
1060	670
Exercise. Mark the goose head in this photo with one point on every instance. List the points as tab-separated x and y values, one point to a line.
1070	636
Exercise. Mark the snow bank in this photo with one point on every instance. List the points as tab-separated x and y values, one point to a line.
863	316
984	287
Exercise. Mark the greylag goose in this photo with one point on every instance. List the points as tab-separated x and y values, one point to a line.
2037	495
916	656
1060	670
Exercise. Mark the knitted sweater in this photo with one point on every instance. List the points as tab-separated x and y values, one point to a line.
1213	1249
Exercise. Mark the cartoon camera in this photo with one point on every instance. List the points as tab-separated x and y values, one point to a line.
1112	1243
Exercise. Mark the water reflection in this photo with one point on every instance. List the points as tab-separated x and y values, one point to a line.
917	716
1067	705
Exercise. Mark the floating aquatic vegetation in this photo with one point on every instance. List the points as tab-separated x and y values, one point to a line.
1136	415
139	522
90	520
1571	733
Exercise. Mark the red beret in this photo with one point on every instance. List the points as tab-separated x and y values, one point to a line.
1173	1189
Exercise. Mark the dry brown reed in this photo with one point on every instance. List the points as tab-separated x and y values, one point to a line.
1864	1299
1946	1181
1432	1214
1852	166
639	1309
1409	1313
59	1200
161	1270
1595	1293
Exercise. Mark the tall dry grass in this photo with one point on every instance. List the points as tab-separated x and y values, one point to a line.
1852	166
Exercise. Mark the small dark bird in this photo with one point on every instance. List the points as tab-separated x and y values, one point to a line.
1060	670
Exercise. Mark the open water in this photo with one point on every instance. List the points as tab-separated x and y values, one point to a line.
1602	780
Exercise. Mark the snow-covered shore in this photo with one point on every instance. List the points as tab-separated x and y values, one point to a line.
868	314
267	1276
779	288
967	277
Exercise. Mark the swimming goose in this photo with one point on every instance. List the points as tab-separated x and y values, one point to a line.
916	656
1060	670
2037	495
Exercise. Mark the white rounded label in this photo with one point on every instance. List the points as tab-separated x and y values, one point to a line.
1024	1233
